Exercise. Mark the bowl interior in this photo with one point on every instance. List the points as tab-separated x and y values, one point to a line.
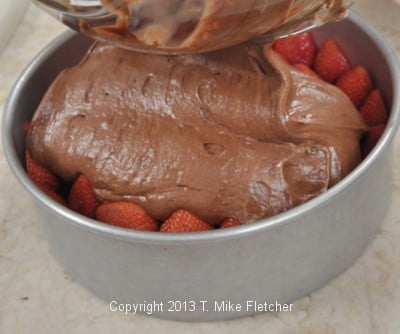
363	47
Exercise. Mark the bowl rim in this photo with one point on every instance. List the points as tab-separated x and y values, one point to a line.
215	235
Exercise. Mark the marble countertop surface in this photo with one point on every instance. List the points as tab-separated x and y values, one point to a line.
36	296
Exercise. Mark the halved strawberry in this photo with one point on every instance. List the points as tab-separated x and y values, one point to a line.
184	221
55	196
330	62
126	214
230	222
81	197
372	139
297	49
307	70
41	176
357	84
374	110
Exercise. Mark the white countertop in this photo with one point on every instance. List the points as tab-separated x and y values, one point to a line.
36	296
10	16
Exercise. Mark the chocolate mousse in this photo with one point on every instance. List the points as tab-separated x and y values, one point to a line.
236	132
190	24
199	25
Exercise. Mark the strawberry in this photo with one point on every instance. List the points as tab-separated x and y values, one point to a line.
374	111
41	176
230	222
330	63
356	83
184	221
126	214
56	197
81	197
307	70
27	127
297	49
372	138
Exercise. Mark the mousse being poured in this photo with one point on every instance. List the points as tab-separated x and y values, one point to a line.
236	132
191	26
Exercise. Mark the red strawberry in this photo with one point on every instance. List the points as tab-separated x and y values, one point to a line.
297	49
56	197
126	214
230	222
307	70
356	83
330	62
184	221
27	127
374	111
81	197
41	176
372	138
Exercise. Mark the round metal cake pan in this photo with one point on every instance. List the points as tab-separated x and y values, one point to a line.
281	258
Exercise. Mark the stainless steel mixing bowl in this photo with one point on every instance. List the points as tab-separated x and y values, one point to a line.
280	258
